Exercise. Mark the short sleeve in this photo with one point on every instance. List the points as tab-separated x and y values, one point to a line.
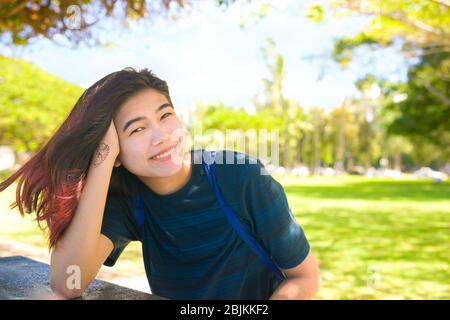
118	226
275	225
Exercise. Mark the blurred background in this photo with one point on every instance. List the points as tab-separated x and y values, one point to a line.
356	90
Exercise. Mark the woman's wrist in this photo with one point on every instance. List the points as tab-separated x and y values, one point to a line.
104	153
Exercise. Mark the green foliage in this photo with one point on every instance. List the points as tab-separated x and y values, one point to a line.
421	24
222	117
289	111
273	112
32	104
315	13
239	128
24	20
358	133
426	110
344	47
423	29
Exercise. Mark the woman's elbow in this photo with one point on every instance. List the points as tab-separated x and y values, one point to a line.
317	282
63	286
315	277
62	291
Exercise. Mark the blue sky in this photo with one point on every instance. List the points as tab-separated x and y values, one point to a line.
206	57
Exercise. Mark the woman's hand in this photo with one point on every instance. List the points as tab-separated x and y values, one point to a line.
108	147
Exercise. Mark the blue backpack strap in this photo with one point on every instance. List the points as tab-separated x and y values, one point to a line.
209	168
139	214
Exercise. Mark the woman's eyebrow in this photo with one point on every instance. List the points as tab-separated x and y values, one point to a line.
130	122
165	105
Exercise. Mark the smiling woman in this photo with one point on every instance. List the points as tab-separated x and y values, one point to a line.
50	183
151	134
117	171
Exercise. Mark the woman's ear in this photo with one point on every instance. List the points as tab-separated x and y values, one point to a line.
117	163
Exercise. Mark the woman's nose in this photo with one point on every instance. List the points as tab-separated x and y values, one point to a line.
159	136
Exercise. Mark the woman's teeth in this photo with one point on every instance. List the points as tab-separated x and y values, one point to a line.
165	154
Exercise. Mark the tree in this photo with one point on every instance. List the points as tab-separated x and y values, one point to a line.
394	148
223	126
24	20
32	103
422	27
425	108
273	101
318	124
343	135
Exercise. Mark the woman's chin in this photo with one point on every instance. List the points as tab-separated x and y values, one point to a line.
165	169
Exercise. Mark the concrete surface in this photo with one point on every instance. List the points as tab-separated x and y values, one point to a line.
24	278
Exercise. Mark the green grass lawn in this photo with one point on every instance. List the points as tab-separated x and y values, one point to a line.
375	238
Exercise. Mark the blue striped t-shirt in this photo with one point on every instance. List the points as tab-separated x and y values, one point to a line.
191	251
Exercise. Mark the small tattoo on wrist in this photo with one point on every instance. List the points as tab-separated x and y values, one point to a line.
100	154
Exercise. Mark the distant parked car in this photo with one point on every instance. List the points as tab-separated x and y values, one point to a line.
426	172
327	171
300	171
384	173
357	170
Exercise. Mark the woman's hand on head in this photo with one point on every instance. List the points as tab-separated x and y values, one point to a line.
109	146
112	139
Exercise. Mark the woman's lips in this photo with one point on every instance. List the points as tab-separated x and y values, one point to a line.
167	157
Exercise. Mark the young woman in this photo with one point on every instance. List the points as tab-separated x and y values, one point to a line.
123	137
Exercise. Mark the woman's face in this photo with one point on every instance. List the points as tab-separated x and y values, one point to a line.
147	125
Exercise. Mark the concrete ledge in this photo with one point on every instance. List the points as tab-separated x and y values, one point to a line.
23	278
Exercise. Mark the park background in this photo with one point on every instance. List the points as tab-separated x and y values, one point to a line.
358	92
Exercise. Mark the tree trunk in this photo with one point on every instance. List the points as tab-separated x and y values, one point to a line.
315	149
398	161
339	162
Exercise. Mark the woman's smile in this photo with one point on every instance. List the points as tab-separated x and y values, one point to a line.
167	155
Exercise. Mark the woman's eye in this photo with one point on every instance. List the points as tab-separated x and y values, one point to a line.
135	130
165	115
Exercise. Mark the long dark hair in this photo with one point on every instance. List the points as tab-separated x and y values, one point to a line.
50	183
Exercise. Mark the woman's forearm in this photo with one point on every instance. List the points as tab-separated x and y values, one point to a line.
301	288
78	246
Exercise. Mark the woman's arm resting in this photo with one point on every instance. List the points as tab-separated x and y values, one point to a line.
302	281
